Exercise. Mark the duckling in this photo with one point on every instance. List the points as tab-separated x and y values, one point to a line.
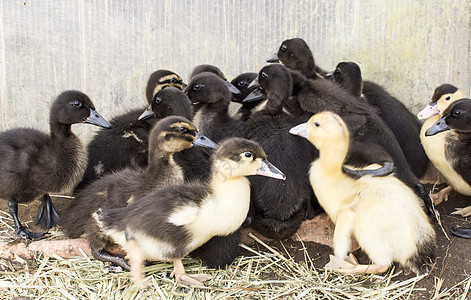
211	99
367	127
394	113
382	213
241	82
170	135
434	145
456	120
126	143
171	222
215	70
278	208
34	163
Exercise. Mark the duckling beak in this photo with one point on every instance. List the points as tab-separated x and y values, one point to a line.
430	110
254	83
184	85
202	141
269	170
273	59
300	130
232	88
255	95
329	75
437	127
96	119
147	114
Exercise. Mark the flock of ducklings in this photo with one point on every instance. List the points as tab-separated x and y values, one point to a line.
155	182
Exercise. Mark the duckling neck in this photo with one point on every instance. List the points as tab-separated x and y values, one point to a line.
332	155
159	159
60	131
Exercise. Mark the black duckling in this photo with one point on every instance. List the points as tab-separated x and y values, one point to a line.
125	145
34	163
279	207
457	119
395	114
295	54
382	213
241	82
169	223
215	70
368	129
434	145
211	100
118	189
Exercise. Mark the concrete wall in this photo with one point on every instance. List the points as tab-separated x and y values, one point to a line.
107	49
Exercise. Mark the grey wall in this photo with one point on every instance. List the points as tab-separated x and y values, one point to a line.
107	49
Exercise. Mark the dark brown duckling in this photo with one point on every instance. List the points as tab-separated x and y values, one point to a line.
215	70
170	135
34	163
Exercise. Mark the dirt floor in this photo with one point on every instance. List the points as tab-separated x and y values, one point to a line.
453	264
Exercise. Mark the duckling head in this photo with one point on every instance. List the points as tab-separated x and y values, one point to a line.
208	89
161	79
238	157
456	117
347	75
442	97
215	70
241	82
73	107
275	82
174	134
294	54
167	102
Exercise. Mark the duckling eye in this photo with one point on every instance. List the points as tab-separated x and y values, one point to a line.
158	100
173	80
283	47
77	103
264	74
248	154
448	98
182	129
338	71
456	113
242	83
197	87
317	124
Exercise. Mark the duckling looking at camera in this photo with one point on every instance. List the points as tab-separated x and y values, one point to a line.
395	114
171	222
119	189
456	121
434	145
125	145
34	163
382	213
249	103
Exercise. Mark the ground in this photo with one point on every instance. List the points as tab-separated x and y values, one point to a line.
453	264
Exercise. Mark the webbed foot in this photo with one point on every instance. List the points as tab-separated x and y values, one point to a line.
48	216
461	232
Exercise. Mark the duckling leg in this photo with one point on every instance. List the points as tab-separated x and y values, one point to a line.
464	212
462	232
346	267
47	217
183	278
136	261
115	260
442	195
343	233
20	230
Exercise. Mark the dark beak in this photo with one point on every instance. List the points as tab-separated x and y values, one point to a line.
147	114
437	127
96	119
232	88
254	96
254	83
385	170
274	59
329	75
269	170
202	141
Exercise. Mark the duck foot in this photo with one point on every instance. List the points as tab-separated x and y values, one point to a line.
351	266
182	278
115	260
442	195
461	232
464	212
20	230
47	216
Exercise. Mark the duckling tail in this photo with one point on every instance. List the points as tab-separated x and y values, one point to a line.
423	260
